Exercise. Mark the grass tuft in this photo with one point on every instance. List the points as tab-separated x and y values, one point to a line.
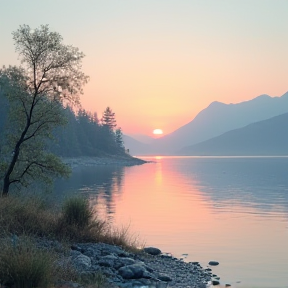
76	212
22	265
26	216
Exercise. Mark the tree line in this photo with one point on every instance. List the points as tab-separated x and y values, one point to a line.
86	135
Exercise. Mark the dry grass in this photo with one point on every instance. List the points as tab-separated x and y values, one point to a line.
26	216
22	265
75	222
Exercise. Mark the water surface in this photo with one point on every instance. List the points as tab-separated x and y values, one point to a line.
230	209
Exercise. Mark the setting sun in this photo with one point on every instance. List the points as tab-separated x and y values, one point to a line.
157	131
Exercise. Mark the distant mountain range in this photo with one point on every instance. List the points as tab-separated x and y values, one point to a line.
135	147
213	121
267	137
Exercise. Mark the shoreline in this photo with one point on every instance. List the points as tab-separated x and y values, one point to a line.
149	268
75	162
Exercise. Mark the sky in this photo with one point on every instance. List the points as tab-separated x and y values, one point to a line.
157	63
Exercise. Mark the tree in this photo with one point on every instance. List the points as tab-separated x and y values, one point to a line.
119	138
108	119
49	78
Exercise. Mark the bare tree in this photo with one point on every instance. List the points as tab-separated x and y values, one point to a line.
49	77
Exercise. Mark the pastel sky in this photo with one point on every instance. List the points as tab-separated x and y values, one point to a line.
157	63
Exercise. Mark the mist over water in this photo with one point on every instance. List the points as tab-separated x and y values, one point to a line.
230	209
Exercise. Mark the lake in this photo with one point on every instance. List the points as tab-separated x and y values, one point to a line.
230	209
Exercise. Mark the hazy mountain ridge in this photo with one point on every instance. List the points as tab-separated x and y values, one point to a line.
263	138
135	146
217	119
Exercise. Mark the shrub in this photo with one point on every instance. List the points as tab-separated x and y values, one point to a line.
26	215
22	265
76	212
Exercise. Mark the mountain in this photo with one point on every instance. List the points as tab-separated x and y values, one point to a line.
219	118
142	138
135	147
267	137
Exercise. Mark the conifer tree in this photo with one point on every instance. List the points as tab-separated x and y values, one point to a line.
119	138
108	119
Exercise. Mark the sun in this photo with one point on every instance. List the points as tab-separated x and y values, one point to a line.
157	132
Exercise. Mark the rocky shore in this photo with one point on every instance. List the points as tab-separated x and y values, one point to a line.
107	160
149	268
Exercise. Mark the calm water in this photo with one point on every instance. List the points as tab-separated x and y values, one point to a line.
233	210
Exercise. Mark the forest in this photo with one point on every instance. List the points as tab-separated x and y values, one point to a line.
83	135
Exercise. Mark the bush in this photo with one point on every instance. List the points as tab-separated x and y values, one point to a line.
26	215
22	265
76	212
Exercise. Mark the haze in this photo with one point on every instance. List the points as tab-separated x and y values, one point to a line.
158	63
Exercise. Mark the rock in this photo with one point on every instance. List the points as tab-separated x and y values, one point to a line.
67	284
147	275
126	269
124	262
227	285
213	263
82	262
215	282
166	256
195	263
77	248
134	271
152	251
164	278
74	254
208	269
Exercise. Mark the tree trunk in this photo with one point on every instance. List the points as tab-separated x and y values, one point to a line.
6	186
7	182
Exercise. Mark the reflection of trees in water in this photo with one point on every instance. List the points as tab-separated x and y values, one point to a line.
106	192
99	183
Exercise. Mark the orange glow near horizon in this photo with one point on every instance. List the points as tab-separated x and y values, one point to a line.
163	72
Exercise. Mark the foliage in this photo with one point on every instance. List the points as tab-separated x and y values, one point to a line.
119	138
22	265
108	119
76	212
50	76
85	135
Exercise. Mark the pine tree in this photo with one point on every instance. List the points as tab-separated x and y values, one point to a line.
108	119
119	138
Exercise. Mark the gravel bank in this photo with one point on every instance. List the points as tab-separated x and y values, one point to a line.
124	269
97	161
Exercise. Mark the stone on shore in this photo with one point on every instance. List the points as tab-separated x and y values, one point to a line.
125	269
134	271
164	278
152	251
213	263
